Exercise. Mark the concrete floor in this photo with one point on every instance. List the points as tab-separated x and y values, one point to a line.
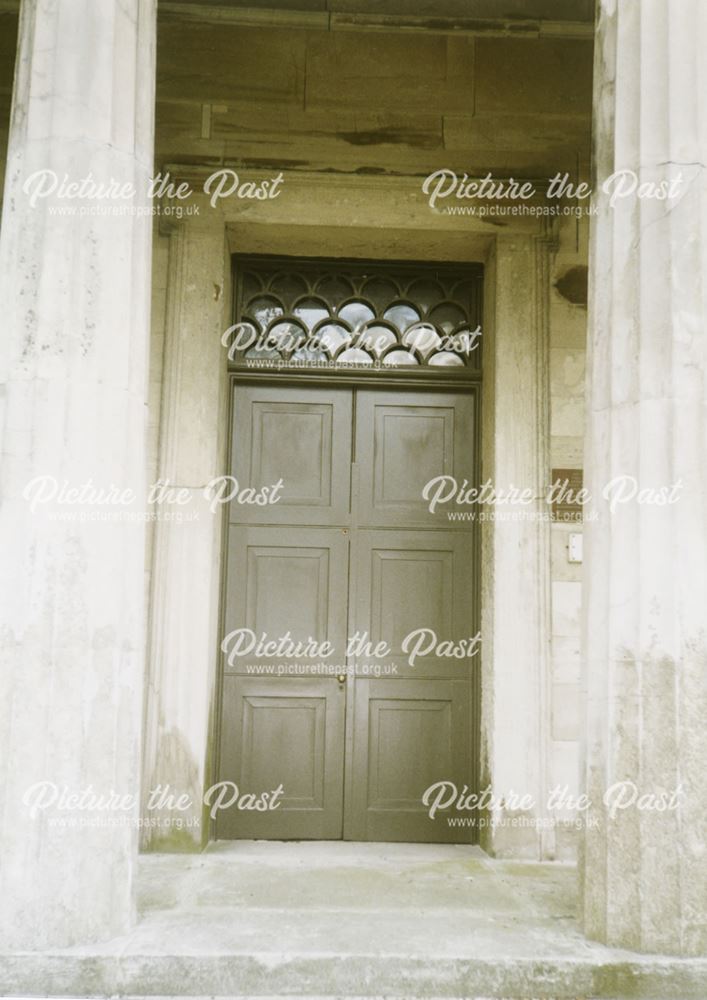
338	919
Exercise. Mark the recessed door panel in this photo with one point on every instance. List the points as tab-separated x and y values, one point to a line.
414	590
405	441
285	742
301	437
284	583
408	735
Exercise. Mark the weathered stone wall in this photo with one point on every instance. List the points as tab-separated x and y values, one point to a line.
568	334
402	102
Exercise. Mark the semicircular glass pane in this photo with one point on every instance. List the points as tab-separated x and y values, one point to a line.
463	292
288	287
423	337
264	309
447	316
334	288
445	358
402	315
311	311
331	336
285	337
377	338
425	292
262	352
252	285
400	357
310	355
380	291
354	355
356	313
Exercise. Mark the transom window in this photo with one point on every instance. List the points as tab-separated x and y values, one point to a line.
310	314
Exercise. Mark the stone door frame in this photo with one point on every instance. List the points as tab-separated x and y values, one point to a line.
185	576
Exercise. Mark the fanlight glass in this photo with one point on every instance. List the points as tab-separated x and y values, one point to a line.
354	355
332	336
425	292
401	316
285	337
423	337
252	285
356	313
288	287
380	292
400	358
264	309
376	338
334	288
311	311
447	316
261	352
445	358
307	355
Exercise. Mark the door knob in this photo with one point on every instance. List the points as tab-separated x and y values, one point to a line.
341	678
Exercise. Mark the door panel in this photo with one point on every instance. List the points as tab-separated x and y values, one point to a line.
302	436
285	581
289	733
403	440
407	581
407	736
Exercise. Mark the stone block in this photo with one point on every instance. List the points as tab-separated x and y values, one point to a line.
252	64
566	663
548	76
430	73
566	608
566	417
567	372
562	136
564	769
565	712
566	452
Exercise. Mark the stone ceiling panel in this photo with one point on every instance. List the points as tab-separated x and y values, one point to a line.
543	76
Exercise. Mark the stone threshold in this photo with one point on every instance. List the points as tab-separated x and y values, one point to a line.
256	919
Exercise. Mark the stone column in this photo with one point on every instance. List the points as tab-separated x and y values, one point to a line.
74	288
645	615
515	547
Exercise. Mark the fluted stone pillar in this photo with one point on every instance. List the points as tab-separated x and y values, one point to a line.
74	298
645	619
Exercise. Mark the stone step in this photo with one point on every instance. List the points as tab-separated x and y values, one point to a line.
254	919
351	976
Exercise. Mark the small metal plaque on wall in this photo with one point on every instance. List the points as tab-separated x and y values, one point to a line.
565	486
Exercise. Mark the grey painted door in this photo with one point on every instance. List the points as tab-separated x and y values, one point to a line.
350	550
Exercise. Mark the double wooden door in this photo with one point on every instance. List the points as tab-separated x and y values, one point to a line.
350	555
